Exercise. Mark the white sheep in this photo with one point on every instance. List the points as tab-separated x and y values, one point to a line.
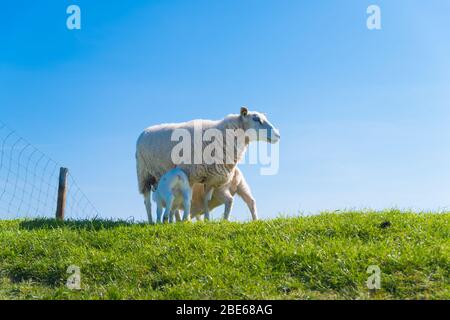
155	146
173	192
222	196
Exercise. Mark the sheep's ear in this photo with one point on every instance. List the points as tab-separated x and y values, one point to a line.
244	111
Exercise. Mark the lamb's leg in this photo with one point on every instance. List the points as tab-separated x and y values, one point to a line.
169	204
228	205
177	216
172	216
208	196
148	206
243	190
187	198
167	216
159	213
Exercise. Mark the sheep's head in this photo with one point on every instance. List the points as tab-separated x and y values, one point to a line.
257	121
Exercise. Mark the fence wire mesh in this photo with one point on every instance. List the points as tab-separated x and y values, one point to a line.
29	182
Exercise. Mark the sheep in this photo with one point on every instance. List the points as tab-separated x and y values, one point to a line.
224	195
173	191
155	146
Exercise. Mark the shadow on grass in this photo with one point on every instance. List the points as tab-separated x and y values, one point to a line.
76	224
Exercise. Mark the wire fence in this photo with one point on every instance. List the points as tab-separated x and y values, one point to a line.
29	182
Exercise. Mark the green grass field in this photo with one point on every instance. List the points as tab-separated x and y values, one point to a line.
317	257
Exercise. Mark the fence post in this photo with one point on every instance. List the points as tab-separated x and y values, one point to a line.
61	204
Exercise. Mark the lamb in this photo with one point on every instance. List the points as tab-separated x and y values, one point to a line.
156	144
173	191
224	195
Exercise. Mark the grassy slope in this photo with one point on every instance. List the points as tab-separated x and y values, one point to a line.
320	257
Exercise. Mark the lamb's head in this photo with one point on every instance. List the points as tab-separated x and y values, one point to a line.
258	122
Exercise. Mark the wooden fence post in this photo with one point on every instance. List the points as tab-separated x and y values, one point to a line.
61	204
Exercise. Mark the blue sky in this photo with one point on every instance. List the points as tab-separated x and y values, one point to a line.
364	115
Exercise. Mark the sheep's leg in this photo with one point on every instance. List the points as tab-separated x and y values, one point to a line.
169	205
172	216
224	196
148	206
245	193
228	205
208	196
187	198
159	213
177	216
167	216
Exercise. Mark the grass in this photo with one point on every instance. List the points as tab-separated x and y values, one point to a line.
317	257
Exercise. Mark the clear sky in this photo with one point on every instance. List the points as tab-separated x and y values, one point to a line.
364	115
